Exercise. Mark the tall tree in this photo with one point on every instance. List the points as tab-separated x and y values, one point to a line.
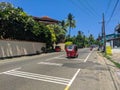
91	39
63	24
70	22
79	39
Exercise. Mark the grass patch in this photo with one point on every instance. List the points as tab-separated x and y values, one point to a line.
110	59
115	63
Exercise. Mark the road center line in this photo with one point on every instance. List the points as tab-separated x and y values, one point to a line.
70	83
74	77
88	56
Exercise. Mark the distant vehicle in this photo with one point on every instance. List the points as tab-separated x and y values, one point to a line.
57	48
71	51
91	48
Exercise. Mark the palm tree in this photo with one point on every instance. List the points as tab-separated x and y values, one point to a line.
70	22
63	24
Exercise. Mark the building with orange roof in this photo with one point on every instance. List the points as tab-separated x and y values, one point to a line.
46	20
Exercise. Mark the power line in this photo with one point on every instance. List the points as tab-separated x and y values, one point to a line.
87	10
75	4
88	4
88	7
78	7
109	3
113	11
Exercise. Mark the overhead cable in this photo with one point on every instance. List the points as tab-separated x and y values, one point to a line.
88	7
75	4
108	6
113	11
92	9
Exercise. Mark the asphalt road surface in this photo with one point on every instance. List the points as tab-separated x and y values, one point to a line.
53	71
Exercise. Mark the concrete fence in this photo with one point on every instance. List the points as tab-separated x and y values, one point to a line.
117	50
10	48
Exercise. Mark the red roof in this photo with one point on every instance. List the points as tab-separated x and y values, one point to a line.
46	19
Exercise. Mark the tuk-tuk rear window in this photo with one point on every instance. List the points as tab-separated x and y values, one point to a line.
70	47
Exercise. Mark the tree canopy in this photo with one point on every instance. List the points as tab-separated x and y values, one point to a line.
81	40
16	24
70	22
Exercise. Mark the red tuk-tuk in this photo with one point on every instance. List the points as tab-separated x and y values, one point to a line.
57	48
71	51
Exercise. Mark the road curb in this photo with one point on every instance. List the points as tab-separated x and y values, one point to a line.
26	57
113	74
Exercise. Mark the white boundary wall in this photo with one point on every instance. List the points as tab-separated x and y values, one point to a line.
117	50
9	48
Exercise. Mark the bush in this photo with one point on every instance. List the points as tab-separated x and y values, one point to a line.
43	49
68	43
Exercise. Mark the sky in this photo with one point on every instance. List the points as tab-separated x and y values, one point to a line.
87	13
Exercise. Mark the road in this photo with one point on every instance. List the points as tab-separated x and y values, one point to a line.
53	71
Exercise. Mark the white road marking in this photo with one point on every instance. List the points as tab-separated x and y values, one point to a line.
71	59
78	59
88	56
16	69
12	70
75	75
53	58
59	56
50	59
40	77
48	63
1	73
46	78
62	58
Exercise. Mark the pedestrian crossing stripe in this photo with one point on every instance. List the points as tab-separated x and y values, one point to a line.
40	77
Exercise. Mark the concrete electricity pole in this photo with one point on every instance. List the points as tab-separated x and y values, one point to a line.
103	33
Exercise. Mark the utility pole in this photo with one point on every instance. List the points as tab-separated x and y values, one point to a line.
103	33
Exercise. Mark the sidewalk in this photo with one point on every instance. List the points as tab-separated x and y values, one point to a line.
114	71
116	58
